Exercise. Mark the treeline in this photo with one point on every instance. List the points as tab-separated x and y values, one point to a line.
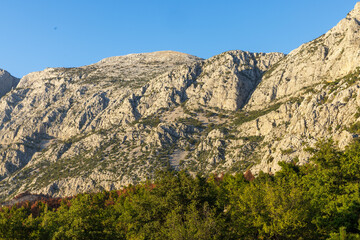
319	200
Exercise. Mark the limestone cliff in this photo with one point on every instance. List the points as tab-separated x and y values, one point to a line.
7	82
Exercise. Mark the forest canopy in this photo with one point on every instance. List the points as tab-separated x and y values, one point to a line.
318	200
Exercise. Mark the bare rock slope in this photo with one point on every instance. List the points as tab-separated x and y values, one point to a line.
69	130
7	82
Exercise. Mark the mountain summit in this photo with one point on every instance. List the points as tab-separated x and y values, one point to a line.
69	130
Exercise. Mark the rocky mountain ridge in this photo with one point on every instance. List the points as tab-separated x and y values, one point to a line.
69	130
328	57
7	82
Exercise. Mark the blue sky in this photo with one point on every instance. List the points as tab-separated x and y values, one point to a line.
69	33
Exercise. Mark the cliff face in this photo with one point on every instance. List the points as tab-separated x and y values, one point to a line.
65	131
7	82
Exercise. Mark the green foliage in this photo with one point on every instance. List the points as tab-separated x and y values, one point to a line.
320	200
352	77
355	128
287	151
357	114
254	139
271	70
191	121
343	235
334	85
349	79
152	121
243	117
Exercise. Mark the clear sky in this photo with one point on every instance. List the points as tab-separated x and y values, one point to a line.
68	33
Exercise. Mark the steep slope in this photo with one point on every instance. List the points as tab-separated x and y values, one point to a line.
7	82
326	58
228	79
315	90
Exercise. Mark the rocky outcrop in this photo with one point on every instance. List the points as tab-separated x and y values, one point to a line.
227	80
7	82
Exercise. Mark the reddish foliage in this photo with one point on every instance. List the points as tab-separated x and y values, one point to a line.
66	201
150	186
249	176
109	202
126	191
35	208
53	203
219	178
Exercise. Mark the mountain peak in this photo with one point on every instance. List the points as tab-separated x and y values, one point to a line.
356	11
328	57
7	82
163	56
350	24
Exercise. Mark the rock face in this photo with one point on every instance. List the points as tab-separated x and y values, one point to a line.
7	82
228	79
69	130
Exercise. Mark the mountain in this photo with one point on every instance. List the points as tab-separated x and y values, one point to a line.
69	130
